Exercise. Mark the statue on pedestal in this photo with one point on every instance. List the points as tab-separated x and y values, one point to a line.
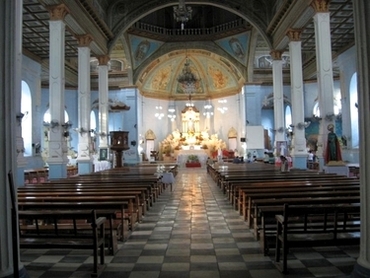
333	153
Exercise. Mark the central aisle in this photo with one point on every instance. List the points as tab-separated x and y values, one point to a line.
191	232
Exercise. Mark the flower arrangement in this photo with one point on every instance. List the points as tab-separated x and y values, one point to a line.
193	158
177	139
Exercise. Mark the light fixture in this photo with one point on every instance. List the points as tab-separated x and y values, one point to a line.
182	14
159	114
188	79
303	125
208	109
224	108
171	112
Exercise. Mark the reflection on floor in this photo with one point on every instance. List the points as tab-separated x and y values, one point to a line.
191	232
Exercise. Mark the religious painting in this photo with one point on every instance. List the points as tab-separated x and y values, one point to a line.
282	148
237	46
142	48
103	155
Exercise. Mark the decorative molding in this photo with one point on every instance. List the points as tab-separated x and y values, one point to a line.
294	34
320	6
276	54
84	40
58	12
103	60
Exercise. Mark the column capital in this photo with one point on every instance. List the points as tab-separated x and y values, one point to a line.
294	34
103	60
84	40
320	6
58	12
276	54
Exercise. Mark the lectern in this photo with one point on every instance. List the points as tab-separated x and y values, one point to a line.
119	143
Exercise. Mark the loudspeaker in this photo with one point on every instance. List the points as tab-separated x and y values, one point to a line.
242	139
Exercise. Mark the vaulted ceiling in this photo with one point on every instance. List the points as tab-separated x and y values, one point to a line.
225	43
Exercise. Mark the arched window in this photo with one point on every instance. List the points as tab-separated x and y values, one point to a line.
316	110
354	111
26	110
288	116
93	122
47	117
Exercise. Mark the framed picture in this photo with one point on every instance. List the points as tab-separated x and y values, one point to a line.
103	154
281	148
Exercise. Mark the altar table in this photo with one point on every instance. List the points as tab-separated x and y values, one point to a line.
182	157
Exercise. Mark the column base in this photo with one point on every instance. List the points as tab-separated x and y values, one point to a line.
299	162
84	167
57	171
360	272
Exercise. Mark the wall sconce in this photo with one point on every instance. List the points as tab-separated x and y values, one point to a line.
67	125
303	125
81	130
19	117
54	124
329	117
280	130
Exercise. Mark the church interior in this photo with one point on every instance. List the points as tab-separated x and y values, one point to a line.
203	96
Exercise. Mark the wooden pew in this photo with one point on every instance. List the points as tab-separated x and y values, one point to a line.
33	235
315	226
237	200
276	205
289	186
119	207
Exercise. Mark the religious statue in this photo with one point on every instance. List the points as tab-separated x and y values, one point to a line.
333	151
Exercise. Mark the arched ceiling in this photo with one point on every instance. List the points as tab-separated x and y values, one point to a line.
215	76
215	30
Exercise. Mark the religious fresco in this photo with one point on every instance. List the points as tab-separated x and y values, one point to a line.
237	46
142	48
211	74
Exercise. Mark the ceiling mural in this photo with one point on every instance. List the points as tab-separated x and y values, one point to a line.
213	76
237	46
142	48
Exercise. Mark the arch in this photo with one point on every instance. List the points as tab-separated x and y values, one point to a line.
288	116
47	117
353	110
26	110
135	10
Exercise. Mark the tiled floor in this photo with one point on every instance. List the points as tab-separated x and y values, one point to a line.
191	232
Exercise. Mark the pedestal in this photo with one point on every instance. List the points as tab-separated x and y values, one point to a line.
118	155
119	143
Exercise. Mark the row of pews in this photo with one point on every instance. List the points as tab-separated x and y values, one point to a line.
91	211
300	208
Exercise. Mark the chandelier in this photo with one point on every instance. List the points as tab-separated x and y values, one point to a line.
188	79
181	13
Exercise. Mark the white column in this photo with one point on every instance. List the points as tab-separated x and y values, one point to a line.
277	71
103	102
361	15
299	152
10	80
84	158
324	72
57	159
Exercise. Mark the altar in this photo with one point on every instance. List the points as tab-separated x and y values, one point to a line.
183	155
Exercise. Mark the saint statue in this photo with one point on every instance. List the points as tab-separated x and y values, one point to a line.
333	151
